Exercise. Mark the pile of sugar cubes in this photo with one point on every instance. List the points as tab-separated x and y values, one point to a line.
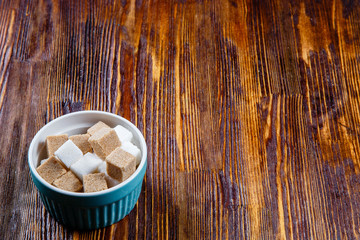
91	162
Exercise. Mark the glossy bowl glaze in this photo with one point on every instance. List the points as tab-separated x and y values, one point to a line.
86	211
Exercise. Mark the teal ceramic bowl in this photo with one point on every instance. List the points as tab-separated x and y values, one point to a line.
86	211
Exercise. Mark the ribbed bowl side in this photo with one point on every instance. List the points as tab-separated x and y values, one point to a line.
83	218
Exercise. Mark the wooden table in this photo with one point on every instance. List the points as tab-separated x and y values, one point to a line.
250	110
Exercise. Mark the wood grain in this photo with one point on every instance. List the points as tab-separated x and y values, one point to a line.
250	111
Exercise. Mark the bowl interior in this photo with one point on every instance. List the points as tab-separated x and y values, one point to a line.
78	123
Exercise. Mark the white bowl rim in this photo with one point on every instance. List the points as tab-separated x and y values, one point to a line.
93	194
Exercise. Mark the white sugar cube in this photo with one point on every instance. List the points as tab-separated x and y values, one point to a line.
123	134
110	181
42	161
102	167
89	163
133	150
68	153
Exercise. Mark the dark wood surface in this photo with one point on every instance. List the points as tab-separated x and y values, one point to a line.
250	110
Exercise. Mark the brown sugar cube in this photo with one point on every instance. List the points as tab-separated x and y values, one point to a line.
94	182
99	125
51	169
120	164
54	142
104	142
68	182
81	141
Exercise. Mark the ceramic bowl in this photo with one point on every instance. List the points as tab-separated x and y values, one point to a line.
86	211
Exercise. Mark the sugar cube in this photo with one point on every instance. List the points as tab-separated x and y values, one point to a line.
133	150
102	167
68	182
54	142
96	127
51	169
89	163
94	182
123	134
120	164
68	153
104	142
109	180
81	141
